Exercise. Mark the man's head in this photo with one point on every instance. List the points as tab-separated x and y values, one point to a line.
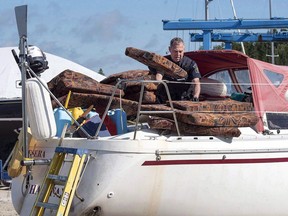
176	49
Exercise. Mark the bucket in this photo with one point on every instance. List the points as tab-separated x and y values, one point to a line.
118	116
61	118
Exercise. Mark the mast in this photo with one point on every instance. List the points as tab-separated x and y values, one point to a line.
272	43
21	18
206	8
235	17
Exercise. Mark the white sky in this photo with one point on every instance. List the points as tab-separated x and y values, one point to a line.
96	33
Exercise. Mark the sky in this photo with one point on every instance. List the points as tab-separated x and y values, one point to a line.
95	33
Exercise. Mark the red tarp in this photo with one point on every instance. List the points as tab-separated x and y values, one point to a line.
267	97
216	60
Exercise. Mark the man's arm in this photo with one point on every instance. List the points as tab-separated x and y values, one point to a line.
197	87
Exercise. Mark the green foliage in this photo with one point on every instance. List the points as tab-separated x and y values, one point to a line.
219	47
101	72
262	50
282	51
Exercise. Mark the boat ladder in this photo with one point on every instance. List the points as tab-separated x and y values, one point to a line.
53	178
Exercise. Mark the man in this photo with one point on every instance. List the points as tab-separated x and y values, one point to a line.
182	91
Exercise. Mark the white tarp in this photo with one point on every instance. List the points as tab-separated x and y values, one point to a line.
10	75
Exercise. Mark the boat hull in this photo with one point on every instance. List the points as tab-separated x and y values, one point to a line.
159	176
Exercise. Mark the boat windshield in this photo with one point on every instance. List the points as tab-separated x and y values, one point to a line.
235	80
275	78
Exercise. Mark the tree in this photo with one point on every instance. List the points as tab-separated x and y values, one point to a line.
260	50
101	72
219	47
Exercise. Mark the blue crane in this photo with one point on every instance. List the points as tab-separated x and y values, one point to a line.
229	24
228	38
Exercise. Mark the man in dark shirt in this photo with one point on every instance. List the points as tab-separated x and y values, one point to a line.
177	91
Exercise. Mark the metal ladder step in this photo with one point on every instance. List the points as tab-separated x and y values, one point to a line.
47	205
58	179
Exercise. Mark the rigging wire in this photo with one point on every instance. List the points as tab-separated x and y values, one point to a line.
175	14
176	9
235	17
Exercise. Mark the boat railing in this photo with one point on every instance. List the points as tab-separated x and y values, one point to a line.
120	84
59	104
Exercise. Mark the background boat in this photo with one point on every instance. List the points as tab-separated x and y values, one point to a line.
10	93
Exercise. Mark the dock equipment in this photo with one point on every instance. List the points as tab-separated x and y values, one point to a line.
208	26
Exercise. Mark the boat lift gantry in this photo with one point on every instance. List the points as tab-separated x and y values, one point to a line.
229	24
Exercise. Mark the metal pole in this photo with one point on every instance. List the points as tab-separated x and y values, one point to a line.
21	18
207	43
272	43
22	58
206	9
235	17
271	31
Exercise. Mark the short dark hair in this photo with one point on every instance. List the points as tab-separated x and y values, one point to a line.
176	40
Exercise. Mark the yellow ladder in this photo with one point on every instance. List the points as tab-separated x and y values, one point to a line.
53	178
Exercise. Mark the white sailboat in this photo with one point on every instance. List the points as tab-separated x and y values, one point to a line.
144	172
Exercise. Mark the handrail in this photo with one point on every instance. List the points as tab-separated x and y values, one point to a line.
147	112
140	103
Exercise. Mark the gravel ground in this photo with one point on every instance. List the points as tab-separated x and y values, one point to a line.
6	206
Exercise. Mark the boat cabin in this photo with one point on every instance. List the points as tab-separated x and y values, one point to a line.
266	82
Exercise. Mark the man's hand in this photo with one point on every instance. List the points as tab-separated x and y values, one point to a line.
195	99
159	76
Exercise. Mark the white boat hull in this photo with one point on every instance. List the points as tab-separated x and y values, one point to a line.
159	176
